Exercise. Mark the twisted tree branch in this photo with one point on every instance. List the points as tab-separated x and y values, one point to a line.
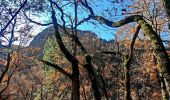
57	67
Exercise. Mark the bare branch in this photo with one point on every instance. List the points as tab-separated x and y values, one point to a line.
35	22
122	22
57	67
61	10
8	23
6	69
166	4
60	42
85	4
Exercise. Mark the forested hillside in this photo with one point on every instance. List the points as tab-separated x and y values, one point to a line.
84	50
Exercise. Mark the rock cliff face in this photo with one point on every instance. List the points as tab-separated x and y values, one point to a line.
88	39
39	40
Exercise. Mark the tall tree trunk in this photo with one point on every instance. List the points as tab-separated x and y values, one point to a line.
88	66
73	60
128	60
159	49
127	80
161	55
91	72
104	87
93	78
75	82
165	95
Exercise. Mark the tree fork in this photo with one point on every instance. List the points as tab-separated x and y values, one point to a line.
128	60
159	49
69	57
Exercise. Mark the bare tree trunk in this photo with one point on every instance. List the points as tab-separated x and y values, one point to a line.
128	60
93	78
70	58
75	83
127	77
159	49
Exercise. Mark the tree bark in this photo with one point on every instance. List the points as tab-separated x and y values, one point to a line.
6	69
128	60
88	66
93	78
75	82
166	4
159	49
70	58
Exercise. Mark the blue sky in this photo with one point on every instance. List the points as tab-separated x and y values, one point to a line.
105	8
101	7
